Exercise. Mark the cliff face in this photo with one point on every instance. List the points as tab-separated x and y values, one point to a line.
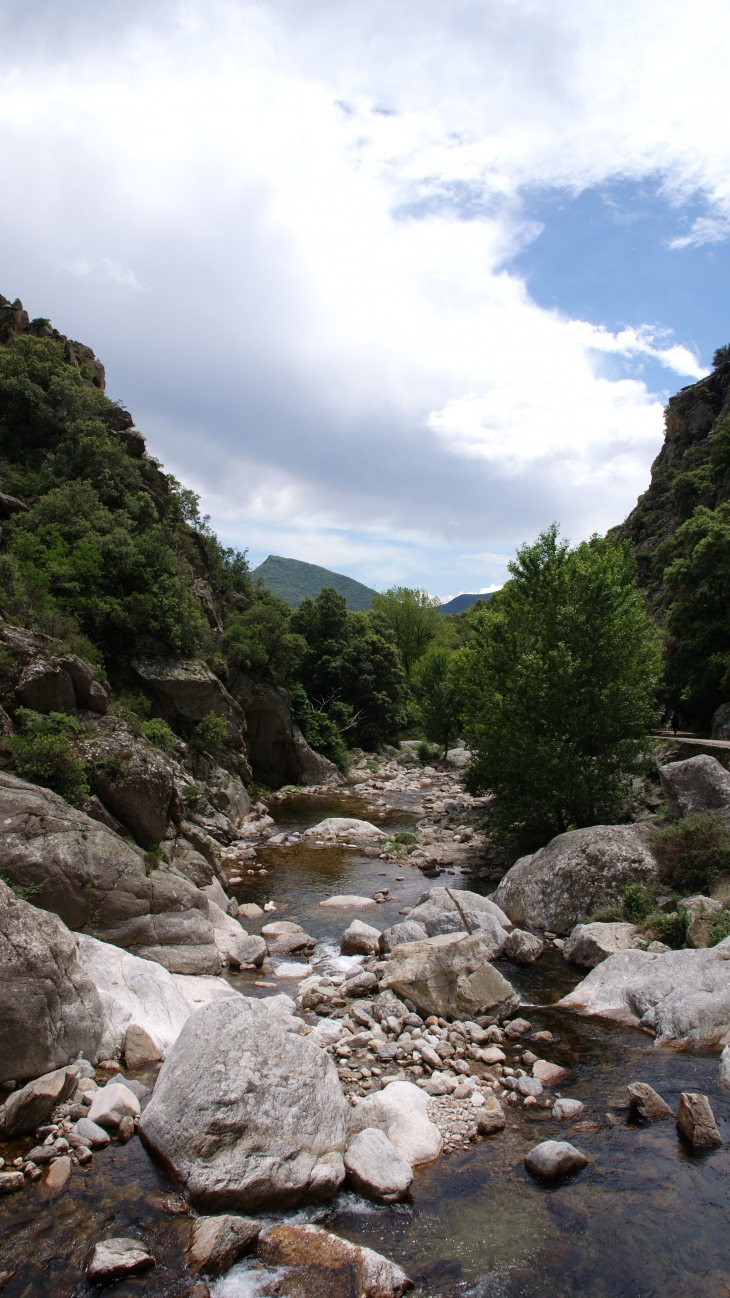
683	476
15	322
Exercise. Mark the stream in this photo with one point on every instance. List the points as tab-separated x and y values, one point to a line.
645	1219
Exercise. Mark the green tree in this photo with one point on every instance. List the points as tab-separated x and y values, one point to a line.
438	694
412	617
560	680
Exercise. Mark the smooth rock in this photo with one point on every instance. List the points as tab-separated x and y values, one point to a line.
723	1070
522	947
647	1102
401	1112
529	1086
589	944
217	1242
516	1028
701	912
344	827
681	997
375	1167
112	1103
249	910
698	786
247	1115
292	970
112	1259
450	976
330	1267
397	934
11	1181
360	939
493	1055
490	1118
280	927
137	1088
235	946
92	1134
554	1158
576	874
452	910
27	1108
696	1121
567	1110
139	1048
549	1074
56	1178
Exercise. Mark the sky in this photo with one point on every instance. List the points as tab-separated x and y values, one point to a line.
392	285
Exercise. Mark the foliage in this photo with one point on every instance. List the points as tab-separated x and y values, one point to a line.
160	734
605	915
426	753
559	684
260	638
25	892
691	853
637	901
211	732
720	927
404	838
721	356
44	753
438	692
318	729
670	929
413	619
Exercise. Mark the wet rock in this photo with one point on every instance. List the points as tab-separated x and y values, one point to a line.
345	827
529	1086
360	939
567	1110
696	1121
574	875
27	1108
112	1259
247	1115
49	1008
92	1135
11	1181
397	934
401	1112
699	786
139	1048
554	1158
348	901
522	947
450	976
375	1167
217	1242
681	997
549	1074
280	927
490	1118
137	1088
329	1267
645	1101
516	1028
589	944
249	910
112	1103
57	1177
292	944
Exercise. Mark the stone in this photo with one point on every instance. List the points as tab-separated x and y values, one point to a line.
680	997
247	1115
292	971
567	1110
522	947
45	687
87	875
227	792
291	944
280	927
696	1121
490	1118
375	1168
140	992
493	1055
137	1088
112	1103
529	1086
348	901
401	1112
28	1107
57	1177
450	976
439	1084
360	939
575	875
235	946
92	1135
554	1158
49	1008
187	690
701	912
698	786
329	1267
133	780
549	1074
345	827
452	910
112	1259
217	1242
249	910
723	1071
645	1101
139	1048
589	944
361	984
516	1028
11	1181
397	934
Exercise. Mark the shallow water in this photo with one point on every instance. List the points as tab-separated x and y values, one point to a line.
645	1219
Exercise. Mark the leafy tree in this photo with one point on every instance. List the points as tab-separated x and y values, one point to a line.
721	356
320	730
413	619
559	683
261	638
437	689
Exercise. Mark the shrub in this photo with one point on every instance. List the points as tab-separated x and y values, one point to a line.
427	753
637	901
691	853
720	927
211	732
405	838
605	915
23	893
670	929
159	733
45	755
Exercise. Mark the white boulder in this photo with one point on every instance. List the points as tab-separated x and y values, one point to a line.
375	1167
112	1103
589	944
401	1112
345	827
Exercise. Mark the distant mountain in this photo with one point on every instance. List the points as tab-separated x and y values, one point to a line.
460	602
294	581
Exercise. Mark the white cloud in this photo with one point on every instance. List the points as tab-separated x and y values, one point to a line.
705	229
322	344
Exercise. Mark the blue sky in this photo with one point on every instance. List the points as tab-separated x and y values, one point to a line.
392	286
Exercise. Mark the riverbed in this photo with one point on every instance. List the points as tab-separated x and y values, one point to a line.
644	1219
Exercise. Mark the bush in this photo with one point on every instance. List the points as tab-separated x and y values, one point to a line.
670	929
691	853
427	753
159	733
405	838
44	754
211	732
605	915
720	927
637	901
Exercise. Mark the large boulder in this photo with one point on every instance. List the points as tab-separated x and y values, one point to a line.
324	1265
453	910
575	875
187	690
27	1108
91	878
41	676
450	976
50	1011
235	946
133	780
375	1167
589	944
347	828
700	786
401	1112
139	992
227	792
278	752
680	997
248	1115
